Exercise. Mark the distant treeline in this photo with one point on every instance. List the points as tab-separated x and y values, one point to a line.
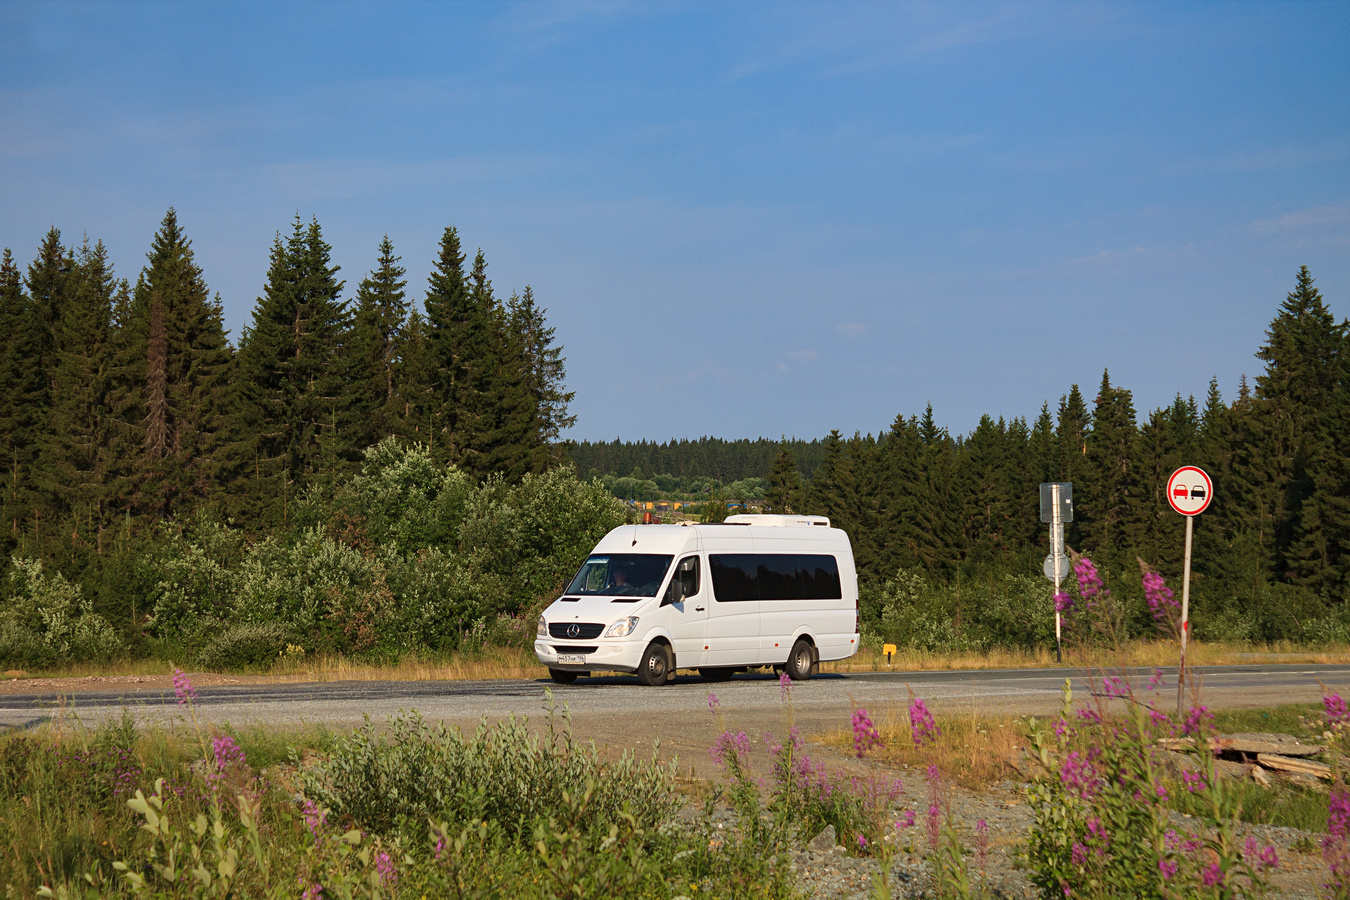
705	457
1272	553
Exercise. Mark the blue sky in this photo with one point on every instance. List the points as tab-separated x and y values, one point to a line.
744	219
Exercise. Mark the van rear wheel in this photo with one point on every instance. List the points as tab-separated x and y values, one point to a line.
717	673
654	668
561	677
800	661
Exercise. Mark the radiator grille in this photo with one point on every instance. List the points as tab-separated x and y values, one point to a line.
585	631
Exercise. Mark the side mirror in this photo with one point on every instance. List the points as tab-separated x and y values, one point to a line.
676	591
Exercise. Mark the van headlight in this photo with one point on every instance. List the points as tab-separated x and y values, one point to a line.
622	628
542	630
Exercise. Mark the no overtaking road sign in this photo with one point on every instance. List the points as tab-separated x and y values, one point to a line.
1189	490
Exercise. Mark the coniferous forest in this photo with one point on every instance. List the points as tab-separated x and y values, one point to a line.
382	470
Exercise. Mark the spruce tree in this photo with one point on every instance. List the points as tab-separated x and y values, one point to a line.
290	376
172	390
1295	420
1105	504
23	396
545	366
77	456
456	335
375	351
785	483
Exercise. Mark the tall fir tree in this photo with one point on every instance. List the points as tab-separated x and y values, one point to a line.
545	366
23	405
290	376
172	392
1104	506
375	351
784	489
77	455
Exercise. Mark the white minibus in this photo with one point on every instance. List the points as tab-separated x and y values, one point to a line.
755	590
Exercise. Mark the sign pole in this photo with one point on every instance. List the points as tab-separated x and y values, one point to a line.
1056	548
1185	614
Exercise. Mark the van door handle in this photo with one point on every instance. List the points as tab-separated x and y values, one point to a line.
698	609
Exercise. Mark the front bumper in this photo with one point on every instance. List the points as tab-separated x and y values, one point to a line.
609	655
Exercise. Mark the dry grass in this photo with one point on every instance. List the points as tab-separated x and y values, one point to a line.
1139	653
975	748
514	663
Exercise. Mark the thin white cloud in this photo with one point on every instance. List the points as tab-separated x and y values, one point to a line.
1333	216
851	329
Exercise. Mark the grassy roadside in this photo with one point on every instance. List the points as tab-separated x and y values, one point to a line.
491	662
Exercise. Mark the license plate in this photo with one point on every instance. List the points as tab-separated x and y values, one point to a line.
571	659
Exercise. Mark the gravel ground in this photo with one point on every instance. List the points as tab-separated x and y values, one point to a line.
829	872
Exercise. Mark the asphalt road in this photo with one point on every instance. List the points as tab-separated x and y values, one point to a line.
823	702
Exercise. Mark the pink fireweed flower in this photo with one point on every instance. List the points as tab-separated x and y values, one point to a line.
712	701
1090	715
312	892
1195	782
1114	686
1161	792
1079	775
1161	603
922	726
183	689
934	814
1157	717
1062	729
1196	717
1079	854
730	749
385	868
1098	835
316	819
1213	875
862	842
1063	603
1155	681
1167	869
1335	709
906	820
785	687
1089	582
865	734
1268	858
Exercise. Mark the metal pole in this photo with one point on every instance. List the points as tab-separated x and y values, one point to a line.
1056	544
1185	615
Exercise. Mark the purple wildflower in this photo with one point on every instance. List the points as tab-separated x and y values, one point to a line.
1167	868
1338	815
982	842
1196	717
1157	717
1079	854
1090	715
907	820
1195	782
865	734
1062	729
1098	834
862	842
1335	709
1079	775
712	701
1161	602
385	868
1115	686
183	689
785	687
1213	875
1063	603
1155	681
1089	582
312	892
1268	858
934	812
730	750
316	820
922	727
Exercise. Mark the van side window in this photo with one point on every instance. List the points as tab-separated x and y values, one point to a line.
686	573
774	576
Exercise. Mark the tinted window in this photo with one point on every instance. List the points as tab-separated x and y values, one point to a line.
734	576
775	576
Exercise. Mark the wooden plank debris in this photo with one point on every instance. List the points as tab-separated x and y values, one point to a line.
1288	764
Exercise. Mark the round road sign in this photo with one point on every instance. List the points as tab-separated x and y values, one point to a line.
1189	490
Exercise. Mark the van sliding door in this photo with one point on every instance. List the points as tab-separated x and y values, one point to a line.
733	620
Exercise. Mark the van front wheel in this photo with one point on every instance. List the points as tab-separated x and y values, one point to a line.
561	677
654	668
799	661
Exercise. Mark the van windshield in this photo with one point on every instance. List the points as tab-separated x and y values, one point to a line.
621	575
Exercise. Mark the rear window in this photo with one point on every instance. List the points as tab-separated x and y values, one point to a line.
774	576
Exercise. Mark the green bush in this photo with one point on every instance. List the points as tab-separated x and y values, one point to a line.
47	620
247	645
503	773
